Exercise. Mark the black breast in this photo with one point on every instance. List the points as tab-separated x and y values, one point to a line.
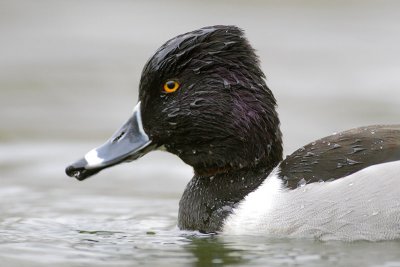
341	154
207	201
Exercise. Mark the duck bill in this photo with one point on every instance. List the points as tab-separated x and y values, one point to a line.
127	144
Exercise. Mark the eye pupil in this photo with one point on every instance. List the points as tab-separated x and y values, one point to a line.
171	84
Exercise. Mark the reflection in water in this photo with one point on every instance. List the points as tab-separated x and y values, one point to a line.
212	251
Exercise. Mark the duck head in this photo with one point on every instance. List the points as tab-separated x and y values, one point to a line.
203	97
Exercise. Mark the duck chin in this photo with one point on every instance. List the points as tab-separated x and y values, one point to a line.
207	162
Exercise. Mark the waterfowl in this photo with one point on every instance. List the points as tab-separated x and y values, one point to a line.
203	97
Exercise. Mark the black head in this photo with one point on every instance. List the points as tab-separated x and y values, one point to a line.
223	114
203	97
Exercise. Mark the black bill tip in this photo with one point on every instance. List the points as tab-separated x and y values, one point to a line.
78	170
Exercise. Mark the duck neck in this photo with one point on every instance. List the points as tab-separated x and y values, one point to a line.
209	199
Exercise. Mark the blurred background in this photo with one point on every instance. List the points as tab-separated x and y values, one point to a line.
69	73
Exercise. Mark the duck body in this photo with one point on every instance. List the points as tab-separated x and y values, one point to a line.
204	98
341	187
356	207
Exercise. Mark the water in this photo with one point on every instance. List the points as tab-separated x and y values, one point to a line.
68	78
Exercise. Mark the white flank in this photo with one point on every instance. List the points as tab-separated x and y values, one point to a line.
361	206
251	215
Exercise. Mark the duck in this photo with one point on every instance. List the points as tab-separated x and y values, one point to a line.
204	98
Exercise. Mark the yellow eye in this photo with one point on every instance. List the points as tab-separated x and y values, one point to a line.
171	86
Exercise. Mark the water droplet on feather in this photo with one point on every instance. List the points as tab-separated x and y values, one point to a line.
302	182
227	85
173	112
357	149
335	146
352	162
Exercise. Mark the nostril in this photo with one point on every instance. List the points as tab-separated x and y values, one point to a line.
116	139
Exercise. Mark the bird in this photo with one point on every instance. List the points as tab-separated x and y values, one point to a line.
203	97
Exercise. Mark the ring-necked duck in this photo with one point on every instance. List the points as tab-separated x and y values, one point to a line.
203	97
